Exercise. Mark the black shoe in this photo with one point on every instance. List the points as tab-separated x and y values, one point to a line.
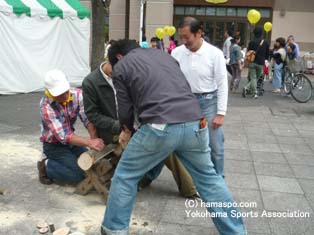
244	92
42	174
143	183
102	231
195	196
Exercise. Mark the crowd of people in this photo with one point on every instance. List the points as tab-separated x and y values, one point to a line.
267	61
169	109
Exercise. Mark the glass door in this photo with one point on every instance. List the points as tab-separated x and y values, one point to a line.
215	31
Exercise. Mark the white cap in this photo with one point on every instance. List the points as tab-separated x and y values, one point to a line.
56	82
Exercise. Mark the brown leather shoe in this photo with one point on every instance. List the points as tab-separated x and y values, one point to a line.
42	174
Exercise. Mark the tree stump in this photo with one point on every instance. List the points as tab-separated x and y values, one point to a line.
62	231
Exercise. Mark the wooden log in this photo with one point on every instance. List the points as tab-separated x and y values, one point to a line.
107	177
85	185
103	167
98	185
42	224
87	159
118	151
43	230
62	231
51	227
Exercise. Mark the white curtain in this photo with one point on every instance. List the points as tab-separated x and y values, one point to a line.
30	46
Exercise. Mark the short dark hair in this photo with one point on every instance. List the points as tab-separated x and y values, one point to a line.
235	38
154	39
258	32
229	32
281	41
291	45
194	24
123	47
112	41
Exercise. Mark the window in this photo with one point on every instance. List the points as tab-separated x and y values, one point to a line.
231	11
200	11
179	10
265	13
210	11
242	12
221	11
190	10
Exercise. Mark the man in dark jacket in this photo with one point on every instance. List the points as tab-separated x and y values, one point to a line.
101	109
100	103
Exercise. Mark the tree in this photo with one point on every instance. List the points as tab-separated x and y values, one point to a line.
98	31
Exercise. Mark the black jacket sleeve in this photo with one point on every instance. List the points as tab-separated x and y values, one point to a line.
93	111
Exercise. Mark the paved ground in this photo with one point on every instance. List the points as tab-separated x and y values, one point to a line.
269	161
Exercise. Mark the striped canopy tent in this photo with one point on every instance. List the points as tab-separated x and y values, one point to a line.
39	35
51	8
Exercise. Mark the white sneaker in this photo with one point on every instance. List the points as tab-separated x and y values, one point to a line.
276	91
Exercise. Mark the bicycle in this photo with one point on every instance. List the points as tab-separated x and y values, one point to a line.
296	83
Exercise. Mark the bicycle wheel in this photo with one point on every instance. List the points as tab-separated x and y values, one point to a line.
301	88
287	83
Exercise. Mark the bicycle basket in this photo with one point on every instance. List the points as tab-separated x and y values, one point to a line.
296	65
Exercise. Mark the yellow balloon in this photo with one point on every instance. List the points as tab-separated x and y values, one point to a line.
253	16
171	30
160	33
166	29
268	26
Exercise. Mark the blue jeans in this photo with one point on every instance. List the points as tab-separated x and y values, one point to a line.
62	162
277	79
208	104
147	148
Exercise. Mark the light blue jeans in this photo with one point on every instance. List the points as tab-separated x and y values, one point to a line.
277	79
208	104
147	148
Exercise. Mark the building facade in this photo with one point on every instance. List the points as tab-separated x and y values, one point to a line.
287	16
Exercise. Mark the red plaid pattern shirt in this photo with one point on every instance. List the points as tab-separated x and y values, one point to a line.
57	120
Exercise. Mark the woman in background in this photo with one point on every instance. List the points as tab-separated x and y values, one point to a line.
279	58
236	63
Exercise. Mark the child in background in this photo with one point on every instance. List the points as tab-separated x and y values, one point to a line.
172	44
144	43
290	52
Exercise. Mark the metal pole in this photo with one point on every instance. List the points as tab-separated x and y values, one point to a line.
141	20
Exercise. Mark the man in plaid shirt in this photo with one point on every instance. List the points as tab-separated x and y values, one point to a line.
59	109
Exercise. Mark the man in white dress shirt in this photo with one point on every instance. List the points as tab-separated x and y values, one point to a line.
205	69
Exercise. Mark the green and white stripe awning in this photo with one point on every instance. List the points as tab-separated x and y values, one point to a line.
51	8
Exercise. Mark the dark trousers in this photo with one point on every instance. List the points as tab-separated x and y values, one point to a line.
62	162
229	68
236	77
